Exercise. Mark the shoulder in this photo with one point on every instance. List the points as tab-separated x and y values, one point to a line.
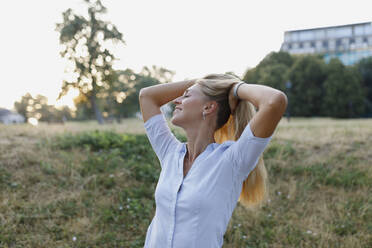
223	146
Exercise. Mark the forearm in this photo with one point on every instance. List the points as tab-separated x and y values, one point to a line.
261	96
163	93
271	104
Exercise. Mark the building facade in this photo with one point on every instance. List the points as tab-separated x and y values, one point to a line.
349	43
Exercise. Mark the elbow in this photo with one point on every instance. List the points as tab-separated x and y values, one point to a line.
142	94
145	96
278	101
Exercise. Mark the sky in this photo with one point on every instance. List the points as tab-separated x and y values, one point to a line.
190	37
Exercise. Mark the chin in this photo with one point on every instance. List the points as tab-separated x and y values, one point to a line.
174	121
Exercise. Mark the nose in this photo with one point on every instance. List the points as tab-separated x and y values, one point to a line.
177	100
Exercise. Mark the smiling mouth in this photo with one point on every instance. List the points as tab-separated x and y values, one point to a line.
176	110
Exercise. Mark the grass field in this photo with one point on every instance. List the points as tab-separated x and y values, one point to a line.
84	185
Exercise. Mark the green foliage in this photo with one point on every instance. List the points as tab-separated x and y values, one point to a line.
38	108
344	227
102	162
68	208
321	174
279	150
96	189
122	96
5	178
307	76
364	67
317	88
112	150
120	100
47	168
90	35
344	95
348	178
271	71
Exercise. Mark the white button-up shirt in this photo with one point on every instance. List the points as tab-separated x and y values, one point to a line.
195	211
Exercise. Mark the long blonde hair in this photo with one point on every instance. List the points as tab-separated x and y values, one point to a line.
230	127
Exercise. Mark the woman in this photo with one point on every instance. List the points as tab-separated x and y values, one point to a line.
202	180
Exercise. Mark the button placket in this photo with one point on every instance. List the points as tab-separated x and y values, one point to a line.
173	208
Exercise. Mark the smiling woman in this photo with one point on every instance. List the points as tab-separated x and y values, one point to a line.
202	179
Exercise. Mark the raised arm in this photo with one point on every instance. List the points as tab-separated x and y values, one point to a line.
271	104
153	97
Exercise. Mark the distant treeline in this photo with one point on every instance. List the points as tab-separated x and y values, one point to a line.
315	88
118	101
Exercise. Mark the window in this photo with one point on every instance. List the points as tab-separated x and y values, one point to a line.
331	33
325	44
368	29
319	44
332	44
306	35
343	32
320	34
294	36
359	30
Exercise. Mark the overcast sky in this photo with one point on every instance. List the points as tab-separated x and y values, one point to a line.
190	37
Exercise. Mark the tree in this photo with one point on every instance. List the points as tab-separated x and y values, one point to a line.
344	94
122	97
84	110
277	58
307	76
85	44
21	105
271	71
38	108
365	69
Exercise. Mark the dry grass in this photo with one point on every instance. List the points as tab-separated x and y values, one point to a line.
320	189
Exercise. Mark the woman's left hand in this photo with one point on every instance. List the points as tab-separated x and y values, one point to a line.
233	101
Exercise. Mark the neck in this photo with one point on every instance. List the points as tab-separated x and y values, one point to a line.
198	138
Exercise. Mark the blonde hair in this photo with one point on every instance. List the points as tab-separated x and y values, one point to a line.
229	127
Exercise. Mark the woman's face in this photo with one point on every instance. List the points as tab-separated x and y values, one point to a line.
189	107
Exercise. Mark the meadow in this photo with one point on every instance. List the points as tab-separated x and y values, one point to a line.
85	185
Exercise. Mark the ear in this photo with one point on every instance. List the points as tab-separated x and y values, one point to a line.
210	107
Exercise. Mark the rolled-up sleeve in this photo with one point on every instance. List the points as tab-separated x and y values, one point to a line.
246	151
160	136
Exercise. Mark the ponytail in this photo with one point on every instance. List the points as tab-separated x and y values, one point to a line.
254	189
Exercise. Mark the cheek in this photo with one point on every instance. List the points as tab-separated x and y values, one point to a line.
192	105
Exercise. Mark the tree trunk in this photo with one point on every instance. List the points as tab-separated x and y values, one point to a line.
118	118
96	110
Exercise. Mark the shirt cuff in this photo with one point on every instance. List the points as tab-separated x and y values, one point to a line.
259	139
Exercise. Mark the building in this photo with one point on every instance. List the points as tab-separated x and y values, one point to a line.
349	43
9	117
